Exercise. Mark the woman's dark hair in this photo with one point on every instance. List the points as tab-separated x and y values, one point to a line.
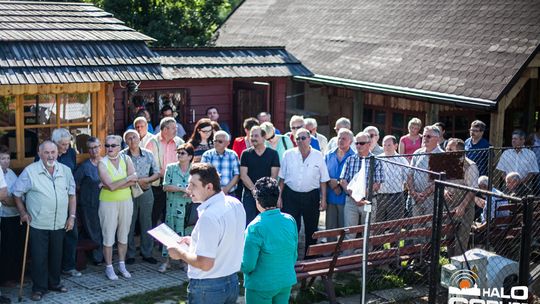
195	138
267	192
207	175
188	148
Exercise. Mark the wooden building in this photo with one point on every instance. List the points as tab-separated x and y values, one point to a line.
381	62
58	65
240	82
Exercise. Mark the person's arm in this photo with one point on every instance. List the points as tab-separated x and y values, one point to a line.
248	183
323	196
231	184
109	184
252	248
281	185
167	186
22	186
197	261
72	211
3	194
274	171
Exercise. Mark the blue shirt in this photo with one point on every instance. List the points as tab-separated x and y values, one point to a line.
335	166
227	165
479	157
87	181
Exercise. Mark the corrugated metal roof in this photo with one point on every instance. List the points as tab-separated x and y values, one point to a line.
229	63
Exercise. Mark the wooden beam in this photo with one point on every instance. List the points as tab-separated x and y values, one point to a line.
358	111
535	63
33	89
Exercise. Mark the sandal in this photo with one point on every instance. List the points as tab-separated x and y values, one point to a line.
36	296
59	288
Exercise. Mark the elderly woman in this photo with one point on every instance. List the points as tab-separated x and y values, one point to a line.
280	143
412	141
117	174
270	249
88	186
201	139
175	184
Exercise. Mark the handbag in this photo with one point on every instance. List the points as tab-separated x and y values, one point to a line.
136	190
192	216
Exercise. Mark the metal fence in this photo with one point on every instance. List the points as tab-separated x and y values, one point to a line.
424	217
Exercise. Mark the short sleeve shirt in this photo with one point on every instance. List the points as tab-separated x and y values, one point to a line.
226	164
523	162
259	166
303	175
421	180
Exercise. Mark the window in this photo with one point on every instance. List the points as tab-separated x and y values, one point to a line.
389	121
39	116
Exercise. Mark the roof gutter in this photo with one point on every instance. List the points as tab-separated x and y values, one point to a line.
436	97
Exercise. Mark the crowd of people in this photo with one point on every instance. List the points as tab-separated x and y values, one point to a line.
250	200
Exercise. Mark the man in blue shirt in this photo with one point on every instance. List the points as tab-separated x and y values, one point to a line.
477	142
335	196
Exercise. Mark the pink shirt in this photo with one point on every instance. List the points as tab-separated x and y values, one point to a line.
410	145
164	151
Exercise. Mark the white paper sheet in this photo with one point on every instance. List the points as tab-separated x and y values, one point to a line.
166	236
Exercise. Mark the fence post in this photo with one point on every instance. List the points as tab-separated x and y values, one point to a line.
525	246
435	270
489	198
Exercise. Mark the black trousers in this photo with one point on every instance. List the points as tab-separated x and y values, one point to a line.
158	210
46	251
11	248
306	205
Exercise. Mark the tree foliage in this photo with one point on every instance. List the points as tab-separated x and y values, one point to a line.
173	23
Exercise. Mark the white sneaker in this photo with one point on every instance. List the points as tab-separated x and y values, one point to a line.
109	272
125	273
163	267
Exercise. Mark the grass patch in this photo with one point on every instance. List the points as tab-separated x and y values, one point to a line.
175	293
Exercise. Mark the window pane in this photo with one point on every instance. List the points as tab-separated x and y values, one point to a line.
7	111
398	120
9	139
397	133
368	115
32	139
462	123
40	109
75	107
80	137
380	117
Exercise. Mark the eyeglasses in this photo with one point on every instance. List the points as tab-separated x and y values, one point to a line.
430	136
361	143
111	146
296	127
206	131
219	141
182	153
301	138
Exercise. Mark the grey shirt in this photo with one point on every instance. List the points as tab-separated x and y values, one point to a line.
145	163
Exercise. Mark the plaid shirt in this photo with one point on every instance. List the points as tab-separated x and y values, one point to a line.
227	165
353	164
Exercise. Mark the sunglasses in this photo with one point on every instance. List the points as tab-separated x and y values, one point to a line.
182	153
296	127
219	141
361	143
301	138
111	146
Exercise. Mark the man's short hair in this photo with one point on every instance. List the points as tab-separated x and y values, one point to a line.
207	175
222	133
303	130
310	121
519	133
479	124
139	119
460	144
371	128
513	176
264	114
433	129
362	133
92	140
250	122
296	118
257	127
4	149
165	122
346	131
210	108
483	180
47	142
129	131
392	137
60	134
267	192
165	109
344	122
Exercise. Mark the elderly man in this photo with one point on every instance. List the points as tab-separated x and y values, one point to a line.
142	113
354	167
216	244
478	142
335	160
266	117
483	182
147	172
213	114
296	123
391	195
515	185
421	187
49	206
311	126
519	159
303	177
167	111
225	161
374	136
163	147
256	162
342	122
462	202
141	126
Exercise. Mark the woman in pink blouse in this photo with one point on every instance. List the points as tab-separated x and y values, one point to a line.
413	140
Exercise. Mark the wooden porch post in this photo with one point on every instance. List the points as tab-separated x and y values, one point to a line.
358	111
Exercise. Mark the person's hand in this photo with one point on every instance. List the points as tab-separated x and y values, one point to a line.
361	202
253	192
185	240
175	253
459	211
132	178
143	183
448	195
420	197
333	183
26	218
70	222
322	205
337	190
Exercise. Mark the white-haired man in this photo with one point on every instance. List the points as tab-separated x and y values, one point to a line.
295	124
311	126
225	161
342	122
267	117
374	137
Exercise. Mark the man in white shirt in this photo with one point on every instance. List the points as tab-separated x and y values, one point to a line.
216	244
303	176
519	159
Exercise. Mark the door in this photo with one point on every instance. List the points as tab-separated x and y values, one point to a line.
249	100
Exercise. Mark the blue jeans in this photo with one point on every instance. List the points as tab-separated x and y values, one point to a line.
216	291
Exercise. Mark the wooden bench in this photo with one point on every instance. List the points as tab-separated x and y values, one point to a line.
315	266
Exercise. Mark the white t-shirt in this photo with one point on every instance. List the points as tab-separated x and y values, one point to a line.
523	162
395	175
10	178
219	234
303	175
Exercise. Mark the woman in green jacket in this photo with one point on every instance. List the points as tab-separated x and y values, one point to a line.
270	249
